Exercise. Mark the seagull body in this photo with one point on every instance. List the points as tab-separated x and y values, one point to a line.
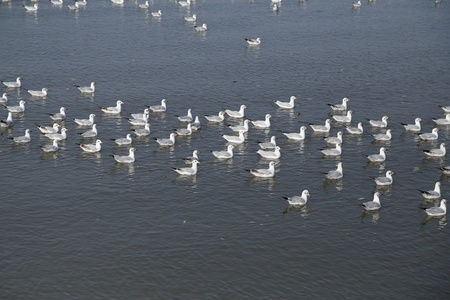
338	173
345	119
8	122
436	152
87	89
81	2
356	5
298	200
266	173
13	84
432	194
243	127
387	180
202	28
140	115
446	170
340	107
287	105
74	6
224	154
332	151
140	122
92	147
117	1
300	136
157	14
34	7
214	118
57	2
269	145
4	98
187	118
383	136
144	5
446	109
443	121
188	160
334	139
191	19
126	159
416	127
159	108
59	116
254	42
49	129
143	131
196	125
185	131
113	109
185	3
269	154
275	8
124	141
235	139
355	130
51	148
17	109
381	157
57	136
167	142
236	113
86	122
430	136
438	211
379	123
262	124
41	93
90	133
374	204
23	139
189	170
322	128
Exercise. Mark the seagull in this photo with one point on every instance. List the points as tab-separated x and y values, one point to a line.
51	148
202	28
159	108
90	133
254	42
341	107
224	154
8	122
236	114
87	89
332	151
86	122
275	8
189	170
270	172
81	2
269	154
276	1
322	128
185	131
117	1
268	145
338	173
387	180
140	115
49	129
443	121
191	19
436	152
196	125
157	14
167	142
383	136
113	109
41	93
57	2
356	5
438	211
187	117
59	116
17	109
4	98
140	122
300	136
432	194
430	136
144	5
345	119
13	84
143	131
446	170
22	139
126	159
57	136
381	157
185	3
124	141
355	130
74	6
378	123
288	105
334	139
262	124
92	147
446	109
214	118
413	127
188	160
374	204
31	7
235	139
298	200
243	127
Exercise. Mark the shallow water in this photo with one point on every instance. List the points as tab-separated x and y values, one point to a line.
79	225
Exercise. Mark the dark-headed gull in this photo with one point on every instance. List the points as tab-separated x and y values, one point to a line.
437	211
269	154
126	159
322	128
87	89
270	172
91	132
53	147
92	147
49	129
413	127
187	117
13	84
270	144
334	139
143	131
344	119
443	121
243	127
124	141
298	136
224	154
337	173
58	136
236	113
216	118
430	136
385	180
437	152
340	107
289	104
253	42
167	142
235	139
383	136
159	108
86	122
374	204
188	170
332	151
8	122
17	109
381	157
41	93
264	123
432	194
298	200
379	123
355	130
113	109
59	116
188	160
23	138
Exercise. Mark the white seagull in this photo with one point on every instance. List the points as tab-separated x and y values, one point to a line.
59	116
86	122
269	154
4	98
268	145
374	204
74	6
413	127
383	136
113	109
143	131
92	147
262	124
57	2
41	93
381	157
196	125
270	172
438	211
236	113
332	151
322	128
385	180
224	154
8	122
345	119
157	14
216	118
355	130
52	147
187	118
13	84
334	139
298	200
185	3
140	115
379	123
289	104
126	159
430	136
144	5
87	89
189	170
185	131
243	127
432	194
140	122
34	7
159	108
124	141
298	136
340	107
356	5
191	19
202	28
188	160
445	108
437	152
49	129
58	136
90	133
167	142
235	139
22	139
443	121
17	109
338	173
254	42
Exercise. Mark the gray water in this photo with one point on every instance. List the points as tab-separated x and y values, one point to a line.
79	226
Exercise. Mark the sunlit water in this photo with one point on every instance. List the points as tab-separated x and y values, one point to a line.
78	225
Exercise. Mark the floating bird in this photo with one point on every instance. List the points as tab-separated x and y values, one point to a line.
214	118
300	136
159	108
86	122
117	1
374	204
74	6
196	125
413	127
143	131
383	136
386	180
275	8
34	7
58	136
235	139
379	123
340	107
90	133
13	84
57	2
437	211
59	116
49	129
432	194
298	200
24	138
187	117
430	136
269	154
87	89
224	154
124	141
355	130
338	173
4	98
288	105
8	122
446	109
167	142
92	147
243	127
17	109
185	3
41	93
53	147
140	122
254	42
322	128
446	170
381	157
236	113
188	160
443	121
437	152
189	170
345	119
270	145
332	151
191	19
113	109
270	172
262	124
356	5
334	139
185	131
140	115
81	2
157	14
145	5
126	159
202	28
